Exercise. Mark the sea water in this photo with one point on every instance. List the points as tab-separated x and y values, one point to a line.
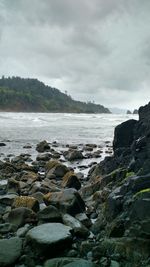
19	129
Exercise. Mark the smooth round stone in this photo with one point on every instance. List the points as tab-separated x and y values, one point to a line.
10	250
50	236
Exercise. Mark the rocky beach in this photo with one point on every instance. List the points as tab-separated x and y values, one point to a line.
82	205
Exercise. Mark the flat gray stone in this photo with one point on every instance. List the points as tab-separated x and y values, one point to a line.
10	250
68	262
49	236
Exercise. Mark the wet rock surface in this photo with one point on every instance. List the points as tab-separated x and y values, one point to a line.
49	238
71	207
10	250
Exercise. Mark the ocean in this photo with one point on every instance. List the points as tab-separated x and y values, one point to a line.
19	129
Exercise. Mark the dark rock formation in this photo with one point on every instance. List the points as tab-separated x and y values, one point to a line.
43	146
135	111
124	212
124	134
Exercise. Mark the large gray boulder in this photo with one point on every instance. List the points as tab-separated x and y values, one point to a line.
68	262
10	251
49	238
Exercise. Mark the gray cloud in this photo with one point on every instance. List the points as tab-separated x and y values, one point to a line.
96	50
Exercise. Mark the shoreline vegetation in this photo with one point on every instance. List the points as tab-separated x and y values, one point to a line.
30	95
52	216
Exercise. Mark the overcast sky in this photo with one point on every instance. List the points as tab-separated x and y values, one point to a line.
96	50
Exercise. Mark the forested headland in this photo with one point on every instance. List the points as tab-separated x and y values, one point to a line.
30	95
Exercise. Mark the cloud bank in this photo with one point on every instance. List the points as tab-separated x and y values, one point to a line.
95	50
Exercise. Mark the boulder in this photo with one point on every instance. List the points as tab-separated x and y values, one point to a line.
27	146
70	180
61	261
10	251
43	157
82	217
68	262
38	195
6	228
7	199
81	263
27	202
67	201
13	186
21	216
43	147
114	264
29	177
124	134
49	238
73	155
49	214
22	231
106	166
54	167
2	144
7	169
79	229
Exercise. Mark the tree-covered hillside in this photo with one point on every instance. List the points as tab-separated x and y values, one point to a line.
31	95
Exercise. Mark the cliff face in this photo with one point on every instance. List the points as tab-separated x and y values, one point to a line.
131	145
139	145
123	181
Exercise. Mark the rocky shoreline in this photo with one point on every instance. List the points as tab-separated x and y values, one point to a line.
57	211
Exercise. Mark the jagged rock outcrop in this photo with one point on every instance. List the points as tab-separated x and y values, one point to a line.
131	146
123	214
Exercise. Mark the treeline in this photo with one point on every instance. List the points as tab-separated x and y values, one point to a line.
31	95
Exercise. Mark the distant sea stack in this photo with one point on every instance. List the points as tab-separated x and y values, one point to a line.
30	95
129	112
